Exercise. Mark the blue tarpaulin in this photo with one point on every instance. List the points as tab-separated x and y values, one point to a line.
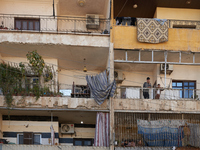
161	132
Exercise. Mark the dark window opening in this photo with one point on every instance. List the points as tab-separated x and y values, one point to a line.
29	138
83	142
27	24
185	26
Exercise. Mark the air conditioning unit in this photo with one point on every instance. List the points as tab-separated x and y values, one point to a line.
169	68
67	128
118	76
92	21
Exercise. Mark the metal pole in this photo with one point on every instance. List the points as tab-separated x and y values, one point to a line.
193	57
126	56
51	118
139	56
165	67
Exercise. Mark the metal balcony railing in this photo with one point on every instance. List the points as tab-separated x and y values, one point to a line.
59	24
131	21
165	93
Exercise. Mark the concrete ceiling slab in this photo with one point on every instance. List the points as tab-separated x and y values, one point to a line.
69	57
72	8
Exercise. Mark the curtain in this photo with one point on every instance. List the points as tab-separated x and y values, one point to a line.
52	135
102	132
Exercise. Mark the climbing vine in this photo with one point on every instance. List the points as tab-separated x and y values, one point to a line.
12	78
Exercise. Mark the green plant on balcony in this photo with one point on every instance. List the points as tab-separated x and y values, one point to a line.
36	62
10	82
48	74
12	78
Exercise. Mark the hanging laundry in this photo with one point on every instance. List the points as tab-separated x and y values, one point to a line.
100	87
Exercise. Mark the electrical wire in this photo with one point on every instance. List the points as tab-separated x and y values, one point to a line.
122	8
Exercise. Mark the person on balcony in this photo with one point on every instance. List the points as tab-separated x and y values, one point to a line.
145	90
158	91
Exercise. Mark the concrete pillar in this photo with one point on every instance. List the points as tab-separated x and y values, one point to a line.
1	132
111	77
111	100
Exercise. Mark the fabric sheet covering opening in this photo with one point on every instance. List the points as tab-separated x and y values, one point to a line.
100	87
168	133
102	130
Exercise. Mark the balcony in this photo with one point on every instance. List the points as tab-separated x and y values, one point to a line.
22	87
57	24
31	29
170	100
182	35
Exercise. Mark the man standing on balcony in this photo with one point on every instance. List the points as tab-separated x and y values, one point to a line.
145	90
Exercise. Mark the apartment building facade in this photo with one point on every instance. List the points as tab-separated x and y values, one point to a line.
132	40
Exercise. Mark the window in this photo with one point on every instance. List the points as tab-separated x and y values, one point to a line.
31	82
27	24
66	92
185	26
83	142
29	138
188	88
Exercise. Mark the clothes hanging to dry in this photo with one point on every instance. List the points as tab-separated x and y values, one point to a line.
100	87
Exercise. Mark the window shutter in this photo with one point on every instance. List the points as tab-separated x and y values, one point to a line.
28	138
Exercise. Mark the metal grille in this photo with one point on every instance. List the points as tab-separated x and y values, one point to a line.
126	127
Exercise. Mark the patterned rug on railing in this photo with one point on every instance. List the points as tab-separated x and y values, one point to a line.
152	30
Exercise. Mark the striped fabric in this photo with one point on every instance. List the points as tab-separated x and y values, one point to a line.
100	87
102	137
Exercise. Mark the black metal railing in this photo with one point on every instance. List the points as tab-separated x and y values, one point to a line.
63	24
132	21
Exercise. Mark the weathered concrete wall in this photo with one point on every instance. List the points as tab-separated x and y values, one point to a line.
55	102
125	37
51	38
157	105
44	147
119	104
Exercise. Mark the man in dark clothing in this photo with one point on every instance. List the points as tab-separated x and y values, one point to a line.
146	91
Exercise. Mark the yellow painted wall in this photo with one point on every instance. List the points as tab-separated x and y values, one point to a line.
76	76
33	126
177	13
181	72
35	7
125	37
80	133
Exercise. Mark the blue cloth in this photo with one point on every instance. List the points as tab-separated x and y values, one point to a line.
161	136
100	88
161	21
